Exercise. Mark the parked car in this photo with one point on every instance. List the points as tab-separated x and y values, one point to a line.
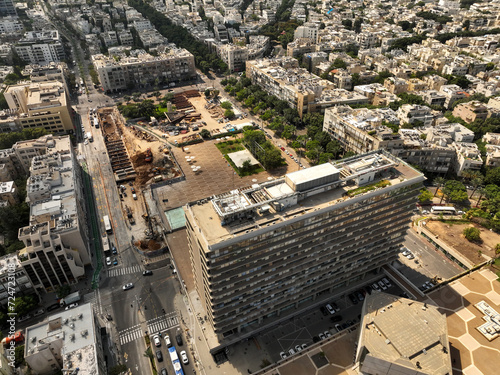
72	306
156	340
39	312
368	289
108	261
304	346
322	336
382	285
283	355
291	351
167	341
113	249
115	262
324	311
184	357
386	281
159	356
128	286
330	309
178	338
23	318
327	334
353	298
147	273
410	256
338	327
335	306
359	295
298	348
163	371
375	287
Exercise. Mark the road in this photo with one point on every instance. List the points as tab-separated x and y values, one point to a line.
431	263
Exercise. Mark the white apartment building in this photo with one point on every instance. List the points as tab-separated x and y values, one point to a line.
308	30
41	104
468	157
125	38
173	66
141	25
40	47
8	193
51	72
56	240
68	340
410	113
110	38
10	25
10	265
452	94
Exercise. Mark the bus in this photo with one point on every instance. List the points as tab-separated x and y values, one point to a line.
175	361
105	245
445	210
107	224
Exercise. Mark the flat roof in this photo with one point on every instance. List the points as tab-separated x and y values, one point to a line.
234	213
239	157
404	332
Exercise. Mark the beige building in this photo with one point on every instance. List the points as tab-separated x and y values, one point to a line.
396	85
284	79
66	341
56	240
468	157
8	193
270	251
401	336
41	105
471	111
173	66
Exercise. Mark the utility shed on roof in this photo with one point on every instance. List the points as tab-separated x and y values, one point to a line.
311	177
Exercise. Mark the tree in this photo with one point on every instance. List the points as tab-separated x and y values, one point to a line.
207	92
19	355
455	191
493	176
357	25
476	183
205	134
226	105
246	167
229	114
425	195
63	290
289	132
472	234
117	369
24	304
439	181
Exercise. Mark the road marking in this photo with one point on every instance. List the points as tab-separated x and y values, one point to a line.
124	271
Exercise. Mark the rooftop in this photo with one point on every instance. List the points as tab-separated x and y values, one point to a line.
259	206
405	332
71	330
8	263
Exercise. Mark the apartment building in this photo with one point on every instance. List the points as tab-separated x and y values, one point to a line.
265	253
308	30
50	72
396	85
7	8
13	277
10	25
41	105
415	84
300	47
492	155
8	193
66	341
471	111
56	240
284	79
40	47
173	66
125	38
452	93
234	56
410	113
402	336
468	157
433	97
360	130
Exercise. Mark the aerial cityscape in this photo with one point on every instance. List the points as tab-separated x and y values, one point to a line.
278	187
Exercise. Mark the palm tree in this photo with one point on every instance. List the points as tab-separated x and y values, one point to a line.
482	191
440	182
476	182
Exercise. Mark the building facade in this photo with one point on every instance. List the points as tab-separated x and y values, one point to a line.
56	240
269	251
10	265
41	105
40	47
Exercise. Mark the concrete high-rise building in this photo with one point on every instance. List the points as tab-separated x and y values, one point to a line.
40	47
272	250
56	252
7	8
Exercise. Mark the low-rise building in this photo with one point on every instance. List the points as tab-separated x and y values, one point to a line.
452	94
40	47
471	111
396	85
56	238
8	193
173	66
66	341
13	279
10	25
402	336
468	157
411	113
433	97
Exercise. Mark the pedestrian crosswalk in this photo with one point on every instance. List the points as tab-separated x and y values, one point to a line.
163	322
155	325
124	271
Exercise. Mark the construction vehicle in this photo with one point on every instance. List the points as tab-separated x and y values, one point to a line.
149	156
130	217
17	337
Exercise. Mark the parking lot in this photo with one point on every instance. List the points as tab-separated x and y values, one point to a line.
319	324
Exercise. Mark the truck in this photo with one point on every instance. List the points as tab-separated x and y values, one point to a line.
17	337
96	122
69	299
129	215
89	137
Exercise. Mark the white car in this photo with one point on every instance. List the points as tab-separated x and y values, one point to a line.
86	142
386	281
283	355
167	341
73	305
128	286
108	261
184	357
375	287
156	340
330	309
382	285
